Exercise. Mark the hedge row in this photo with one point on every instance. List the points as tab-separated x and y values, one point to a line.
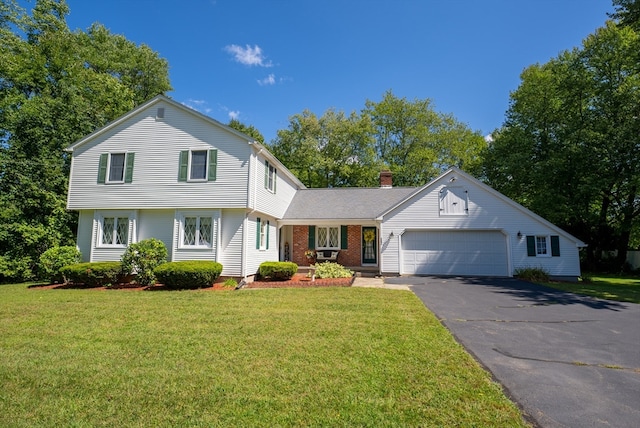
93	274
188	274
277	270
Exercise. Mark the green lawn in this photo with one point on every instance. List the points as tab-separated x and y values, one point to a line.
610	287
289	357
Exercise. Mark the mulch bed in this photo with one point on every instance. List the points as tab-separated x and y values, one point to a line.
299	280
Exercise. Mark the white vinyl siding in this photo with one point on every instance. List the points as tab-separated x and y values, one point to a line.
273	203
255	255
106	246
157	145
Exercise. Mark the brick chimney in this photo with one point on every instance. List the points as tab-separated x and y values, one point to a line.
385	179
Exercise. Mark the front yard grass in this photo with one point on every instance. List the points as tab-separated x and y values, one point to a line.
610	287
286	357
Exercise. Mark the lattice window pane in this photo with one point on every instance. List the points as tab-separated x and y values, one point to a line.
199	165
322	237
205	231
122	233
189	231
107	230
334	237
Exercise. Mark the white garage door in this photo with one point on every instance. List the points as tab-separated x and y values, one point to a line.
449	252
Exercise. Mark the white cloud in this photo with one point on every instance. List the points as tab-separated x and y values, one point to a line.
248	55
269	80
198	105
234	114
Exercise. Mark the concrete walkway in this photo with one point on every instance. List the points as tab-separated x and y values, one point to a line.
377	282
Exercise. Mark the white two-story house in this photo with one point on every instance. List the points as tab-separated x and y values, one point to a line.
209	192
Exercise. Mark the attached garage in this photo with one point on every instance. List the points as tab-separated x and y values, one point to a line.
454	252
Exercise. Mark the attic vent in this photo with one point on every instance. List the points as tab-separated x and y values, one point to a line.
160	113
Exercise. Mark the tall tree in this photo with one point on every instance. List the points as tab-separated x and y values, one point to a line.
417	143
627	12
249	130
55	87
570	145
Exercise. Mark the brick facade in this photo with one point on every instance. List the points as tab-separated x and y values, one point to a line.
352	256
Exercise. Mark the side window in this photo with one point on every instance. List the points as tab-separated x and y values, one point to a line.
198	165
543	246
116	168
270	175
114	231
262	234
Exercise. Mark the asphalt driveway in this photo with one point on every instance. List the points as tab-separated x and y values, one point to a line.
568	360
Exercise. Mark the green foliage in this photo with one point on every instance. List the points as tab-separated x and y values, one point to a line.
408	137
569	148
142	258
93	274
277	270
230	283
56	87
533	274
52	260
188	274
249	130
332	270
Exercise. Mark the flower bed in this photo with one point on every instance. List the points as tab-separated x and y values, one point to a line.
301	280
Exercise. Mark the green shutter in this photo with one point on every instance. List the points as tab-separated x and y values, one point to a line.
266	174
258	233
102	168
267	235
531	246
184	165
213	164
555	246
344	237
128	172
312	237
275	180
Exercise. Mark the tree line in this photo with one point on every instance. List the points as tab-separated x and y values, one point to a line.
568	149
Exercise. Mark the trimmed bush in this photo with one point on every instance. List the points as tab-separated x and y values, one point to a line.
93	274
188	274
332	270
533	274
55	258
142	258
277	270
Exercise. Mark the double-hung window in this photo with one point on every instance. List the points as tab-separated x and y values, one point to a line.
197	231
116	168
115	231
198	165
328	238
262	234
543	246
270	175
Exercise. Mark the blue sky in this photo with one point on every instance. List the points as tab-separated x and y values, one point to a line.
262	61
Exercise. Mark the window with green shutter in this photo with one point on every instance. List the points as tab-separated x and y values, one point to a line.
198	165
115	168
543	246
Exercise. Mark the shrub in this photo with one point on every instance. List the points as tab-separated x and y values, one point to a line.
93	274
533	274
230	283
277	270
52	260
188	274
142	258
332	270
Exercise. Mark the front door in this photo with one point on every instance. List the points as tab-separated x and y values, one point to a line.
369	246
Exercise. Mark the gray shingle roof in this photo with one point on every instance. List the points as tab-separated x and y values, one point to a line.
344	203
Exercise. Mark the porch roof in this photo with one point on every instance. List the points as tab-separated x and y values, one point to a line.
344	203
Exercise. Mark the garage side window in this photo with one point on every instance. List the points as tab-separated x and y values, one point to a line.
543	246
454	201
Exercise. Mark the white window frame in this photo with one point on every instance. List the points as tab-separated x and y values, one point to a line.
264	224
206	165
117	217
271	177
197	245
328	235
108	179
547	245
